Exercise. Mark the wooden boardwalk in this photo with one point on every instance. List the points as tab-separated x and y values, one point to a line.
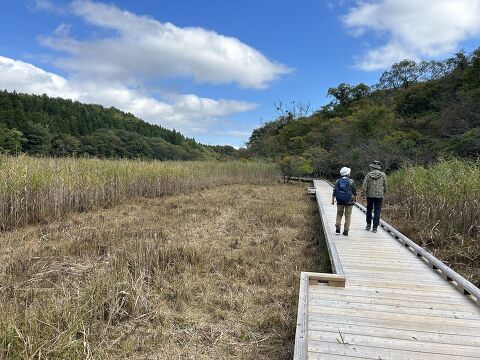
393	304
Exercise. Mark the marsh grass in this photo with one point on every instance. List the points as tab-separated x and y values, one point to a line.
439	207
212	274
40	189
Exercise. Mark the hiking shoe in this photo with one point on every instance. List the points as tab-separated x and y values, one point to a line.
368	227
345	233
337	229
374	230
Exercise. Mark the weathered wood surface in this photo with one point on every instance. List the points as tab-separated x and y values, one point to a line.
329	238
394	304
300	351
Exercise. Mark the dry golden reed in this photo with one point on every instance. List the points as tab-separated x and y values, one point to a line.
37	189
439	206
212	274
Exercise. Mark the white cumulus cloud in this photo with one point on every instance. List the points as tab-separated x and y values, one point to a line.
142	47
414	28
189	113
47	5
24	77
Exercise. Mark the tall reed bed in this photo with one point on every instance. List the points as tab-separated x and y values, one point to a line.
440	207
37	189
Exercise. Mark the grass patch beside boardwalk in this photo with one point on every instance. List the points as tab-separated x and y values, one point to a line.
35	190
212	274
439	207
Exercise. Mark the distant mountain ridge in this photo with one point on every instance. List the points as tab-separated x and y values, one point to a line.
41	125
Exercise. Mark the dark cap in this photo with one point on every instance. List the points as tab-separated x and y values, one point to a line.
376	165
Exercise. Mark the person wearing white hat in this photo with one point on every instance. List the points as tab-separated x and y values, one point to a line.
344	193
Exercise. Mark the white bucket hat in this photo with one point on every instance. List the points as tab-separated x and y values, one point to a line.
344	171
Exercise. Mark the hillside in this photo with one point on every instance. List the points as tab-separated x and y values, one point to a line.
40	125
418	113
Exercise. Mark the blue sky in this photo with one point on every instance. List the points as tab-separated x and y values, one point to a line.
214	69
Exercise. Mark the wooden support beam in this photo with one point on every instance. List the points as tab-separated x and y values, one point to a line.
325	278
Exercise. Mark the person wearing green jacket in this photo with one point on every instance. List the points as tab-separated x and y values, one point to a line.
374	188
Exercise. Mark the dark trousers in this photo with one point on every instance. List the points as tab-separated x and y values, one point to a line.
374	204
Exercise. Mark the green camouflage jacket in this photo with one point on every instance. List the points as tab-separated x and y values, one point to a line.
375	184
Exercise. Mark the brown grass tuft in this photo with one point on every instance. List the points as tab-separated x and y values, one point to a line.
439	207
210	275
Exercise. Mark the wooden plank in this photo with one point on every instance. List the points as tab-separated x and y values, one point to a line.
378	259
380	251
434	320
376	271
323	350
449	292
372	258
341	320
394	275
345	243
300	350
312	355
384	267
405	284
383	332
377	254
412	310
412	345
374	253
412	297
431	289
420	303
426	290
402	294
396	294
379	267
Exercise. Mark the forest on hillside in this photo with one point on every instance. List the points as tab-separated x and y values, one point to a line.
40	125
417	114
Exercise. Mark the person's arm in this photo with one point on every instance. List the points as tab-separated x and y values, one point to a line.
384	183
364	186
334	192
354	190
